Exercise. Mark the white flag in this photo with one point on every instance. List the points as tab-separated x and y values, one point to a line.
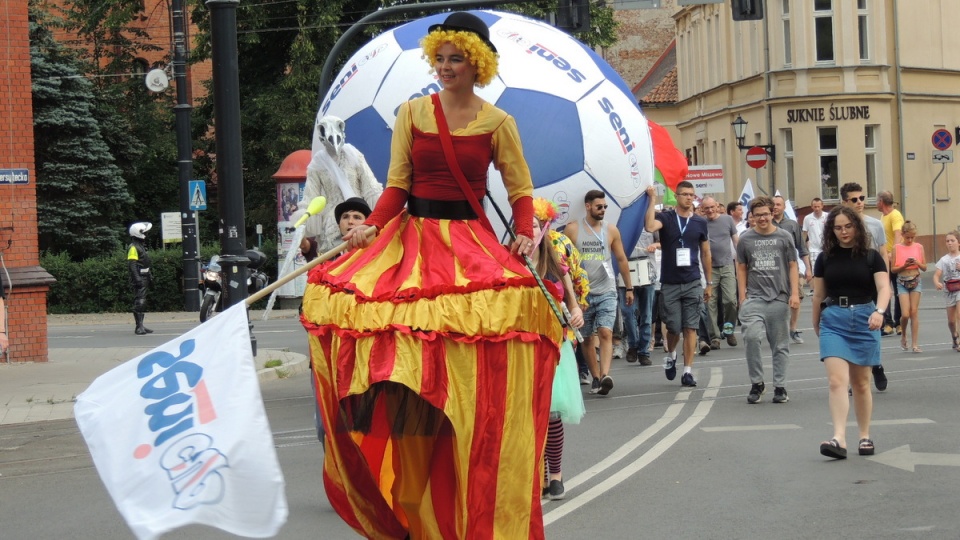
790	213
747	194
788	207
179	435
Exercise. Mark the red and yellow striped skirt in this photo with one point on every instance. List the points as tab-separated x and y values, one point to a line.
433	354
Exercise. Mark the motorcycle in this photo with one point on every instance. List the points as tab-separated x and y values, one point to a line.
212	282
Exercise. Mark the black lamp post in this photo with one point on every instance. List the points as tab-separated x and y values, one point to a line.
226	112
740	131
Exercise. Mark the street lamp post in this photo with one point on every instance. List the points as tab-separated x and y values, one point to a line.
191	242
740	131
226	111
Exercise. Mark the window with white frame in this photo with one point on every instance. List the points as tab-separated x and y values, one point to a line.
786	136
863	30
787	38
823	30
870	134
829	166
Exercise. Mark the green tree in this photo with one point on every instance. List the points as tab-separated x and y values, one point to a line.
81	193
281	50
136	124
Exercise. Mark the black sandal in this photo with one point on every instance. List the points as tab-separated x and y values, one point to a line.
832	449
866	447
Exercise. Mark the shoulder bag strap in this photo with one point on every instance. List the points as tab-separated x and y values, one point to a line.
446	141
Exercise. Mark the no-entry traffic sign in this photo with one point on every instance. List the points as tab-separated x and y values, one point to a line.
756	157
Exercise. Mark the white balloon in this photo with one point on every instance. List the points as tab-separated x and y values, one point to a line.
579	123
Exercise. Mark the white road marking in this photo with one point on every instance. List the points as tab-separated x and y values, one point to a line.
770	427
903	458
898	422
701	411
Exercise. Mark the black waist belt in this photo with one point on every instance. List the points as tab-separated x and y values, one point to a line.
429	208
846	301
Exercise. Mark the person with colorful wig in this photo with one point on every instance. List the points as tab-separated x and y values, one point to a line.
433	346
552	260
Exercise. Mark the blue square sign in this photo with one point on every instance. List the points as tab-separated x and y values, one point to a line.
198	195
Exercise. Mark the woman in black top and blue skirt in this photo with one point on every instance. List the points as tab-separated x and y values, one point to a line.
849	282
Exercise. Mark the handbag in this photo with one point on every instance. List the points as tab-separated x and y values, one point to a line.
910	283
952	285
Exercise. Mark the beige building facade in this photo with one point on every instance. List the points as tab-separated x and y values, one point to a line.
845	91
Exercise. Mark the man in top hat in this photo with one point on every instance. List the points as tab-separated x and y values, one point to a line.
349	214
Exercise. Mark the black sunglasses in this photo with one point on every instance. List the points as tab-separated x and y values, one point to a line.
855	199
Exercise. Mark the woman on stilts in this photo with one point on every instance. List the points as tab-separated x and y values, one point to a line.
433	346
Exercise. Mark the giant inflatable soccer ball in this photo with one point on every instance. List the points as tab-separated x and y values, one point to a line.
580	126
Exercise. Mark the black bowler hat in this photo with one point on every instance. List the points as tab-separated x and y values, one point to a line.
467	22
353	203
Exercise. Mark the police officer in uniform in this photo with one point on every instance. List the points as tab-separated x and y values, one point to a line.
138	261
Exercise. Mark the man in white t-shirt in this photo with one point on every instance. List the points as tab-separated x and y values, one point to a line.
813	229
735	210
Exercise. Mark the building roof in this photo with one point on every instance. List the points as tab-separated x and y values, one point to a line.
659	85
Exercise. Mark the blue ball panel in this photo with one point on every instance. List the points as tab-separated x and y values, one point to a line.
371	135
550	130
631	222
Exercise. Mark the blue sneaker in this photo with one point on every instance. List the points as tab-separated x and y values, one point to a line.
687	380
727	329
670	367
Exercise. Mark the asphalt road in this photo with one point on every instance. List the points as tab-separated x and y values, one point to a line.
651	460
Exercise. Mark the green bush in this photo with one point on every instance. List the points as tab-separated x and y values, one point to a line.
102	285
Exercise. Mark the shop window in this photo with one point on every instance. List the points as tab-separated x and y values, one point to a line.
863	26
786	136
829	173
823	29
870	150
787	38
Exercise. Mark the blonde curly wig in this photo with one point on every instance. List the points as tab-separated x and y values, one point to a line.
474	49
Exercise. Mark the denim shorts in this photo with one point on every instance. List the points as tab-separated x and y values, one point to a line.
903	290
601	312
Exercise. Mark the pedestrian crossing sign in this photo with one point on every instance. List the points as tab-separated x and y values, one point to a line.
198	195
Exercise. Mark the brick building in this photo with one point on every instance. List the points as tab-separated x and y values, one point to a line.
27	301
156	22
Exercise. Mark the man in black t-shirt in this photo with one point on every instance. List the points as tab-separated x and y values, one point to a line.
685	245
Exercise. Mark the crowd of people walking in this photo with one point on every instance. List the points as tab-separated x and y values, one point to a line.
411	374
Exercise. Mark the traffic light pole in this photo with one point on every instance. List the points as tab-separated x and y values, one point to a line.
188	227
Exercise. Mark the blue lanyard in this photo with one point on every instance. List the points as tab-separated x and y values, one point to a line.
682	228
601	236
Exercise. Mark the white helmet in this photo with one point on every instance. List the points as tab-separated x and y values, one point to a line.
140	229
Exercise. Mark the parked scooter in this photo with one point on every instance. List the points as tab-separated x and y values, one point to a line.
212	287
212	282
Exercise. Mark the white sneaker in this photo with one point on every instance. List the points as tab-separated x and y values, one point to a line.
618	350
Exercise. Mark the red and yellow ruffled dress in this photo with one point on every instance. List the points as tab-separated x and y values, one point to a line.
434	351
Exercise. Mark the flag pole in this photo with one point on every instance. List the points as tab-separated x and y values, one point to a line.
529	262
302	270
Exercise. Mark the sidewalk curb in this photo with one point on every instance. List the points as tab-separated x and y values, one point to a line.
39	391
